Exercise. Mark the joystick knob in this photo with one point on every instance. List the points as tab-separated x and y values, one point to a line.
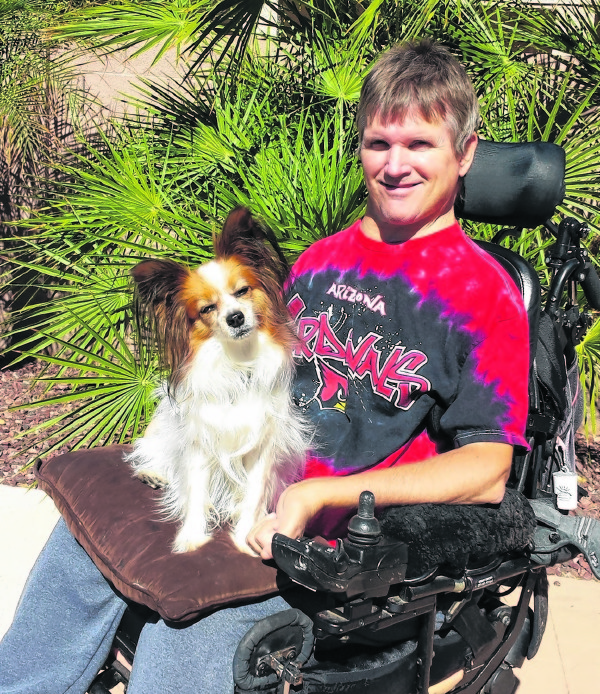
364	528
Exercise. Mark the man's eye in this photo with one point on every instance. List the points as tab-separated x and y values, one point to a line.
207	309
241	292
378	145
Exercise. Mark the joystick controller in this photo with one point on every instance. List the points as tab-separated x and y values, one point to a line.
364	528
363	564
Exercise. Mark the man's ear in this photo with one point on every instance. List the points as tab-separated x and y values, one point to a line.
466	159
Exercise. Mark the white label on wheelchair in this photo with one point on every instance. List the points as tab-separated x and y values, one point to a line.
565	488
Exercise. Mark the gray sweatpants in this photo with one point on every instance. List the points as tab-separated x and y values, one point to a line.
67	618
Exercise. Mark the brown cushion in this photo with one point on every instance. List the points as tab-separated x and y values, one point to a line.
115	518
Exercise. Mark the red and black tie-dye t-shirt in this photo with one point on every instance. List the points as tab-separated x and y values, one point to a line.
389	331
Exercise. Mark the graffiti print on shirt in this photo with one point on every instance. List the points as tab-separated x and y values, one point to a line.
336	359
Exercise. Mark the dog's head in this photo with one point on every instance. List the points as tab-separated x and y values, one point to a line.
227	299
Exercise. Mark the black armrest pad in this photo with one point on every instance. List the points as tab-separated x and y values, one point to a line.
457	536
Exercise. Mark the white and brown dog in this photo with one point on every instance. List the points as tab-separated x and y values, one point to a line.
226	438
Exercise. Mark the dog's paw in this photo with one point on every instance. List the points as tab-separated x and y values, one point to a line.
188	542
242	545
152	479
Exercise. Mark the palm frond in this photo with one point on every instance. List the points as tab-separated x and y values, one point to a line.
588	353
306	184
159	25
110	394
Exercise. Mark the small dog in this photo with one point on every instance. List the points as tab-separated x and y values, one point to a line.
226	438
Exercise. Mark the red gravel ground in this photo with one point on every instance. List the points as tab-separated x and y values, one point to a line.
16	389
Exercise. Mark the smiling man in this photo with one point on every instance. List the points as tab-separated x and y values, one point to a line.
449	334
411	172
416	118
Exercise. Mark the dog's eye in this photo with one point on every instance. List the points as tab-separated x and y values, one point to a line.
241	292
207	309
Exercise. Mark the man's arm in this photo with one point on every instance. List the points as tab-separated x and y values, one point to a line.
473	474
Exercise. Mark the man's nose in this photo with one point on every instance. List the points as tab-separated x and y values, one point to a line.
397	163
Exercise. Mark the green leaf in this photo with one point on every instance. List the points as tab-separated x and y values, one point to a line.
162	25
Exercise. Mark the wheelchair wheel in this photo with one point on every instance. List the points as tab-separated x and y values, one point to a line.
273	650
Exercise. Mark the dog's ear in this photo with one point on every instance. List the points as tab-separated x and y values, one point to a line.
244	236
239	228
158	281
160	320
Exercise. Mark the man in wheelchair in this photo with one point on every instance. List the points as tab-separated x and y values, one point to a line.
449	328
413	364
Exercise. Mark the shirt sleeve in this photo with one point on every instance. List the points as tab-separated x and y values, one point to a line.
491	402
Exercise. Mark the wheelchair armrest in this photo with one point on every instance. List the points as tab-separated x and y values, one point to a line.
408	542
455	536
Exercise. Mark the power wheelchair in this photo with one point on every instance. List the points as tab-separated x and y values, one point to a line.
391	611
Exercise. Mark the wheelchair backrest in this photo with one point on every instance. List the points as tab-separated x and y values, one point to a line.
528	282
521	184
517	184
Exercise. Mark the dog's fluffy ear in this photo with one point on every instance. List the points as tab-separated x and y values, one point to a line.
161	321
158	281
244	236
239	225
241	235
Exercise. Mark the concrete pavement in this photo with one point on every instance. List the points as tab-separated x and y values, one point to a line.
568	661
26	520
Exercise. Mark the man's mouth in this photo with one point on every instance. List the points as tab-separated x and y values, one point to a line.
401	187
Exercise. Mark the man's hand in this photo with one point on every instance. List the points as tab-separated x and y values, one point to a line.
260	537
296	506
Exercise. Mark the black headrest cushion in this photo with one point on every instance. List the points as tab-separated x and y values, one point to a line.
513	183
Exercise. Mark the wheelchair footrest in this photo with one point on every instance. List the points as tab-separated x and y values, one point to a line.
273	650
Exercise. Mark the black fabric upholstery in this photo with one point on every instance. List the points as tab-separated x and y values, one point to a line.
456	536
550	364
513	183
528	283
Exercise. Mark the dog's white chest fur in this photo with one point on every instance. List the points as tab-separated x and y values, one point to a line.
227	441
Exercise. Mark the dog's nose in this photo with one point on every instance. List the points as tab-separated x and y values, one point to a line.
235	319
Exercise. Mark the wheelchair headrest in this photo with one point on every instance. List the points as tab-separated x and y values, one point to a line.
513	184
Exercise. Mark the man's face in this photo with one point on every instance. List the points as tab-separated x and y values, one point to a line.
411	171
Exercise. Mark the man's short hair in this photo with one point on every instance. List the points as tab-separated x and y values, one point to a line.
425	77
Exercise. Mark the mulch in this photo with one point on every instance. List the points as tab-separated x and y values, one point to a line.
17	440
17	388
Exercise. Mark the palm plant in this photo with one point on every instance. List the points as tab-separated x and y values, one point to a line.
40	103
266	121
42	113
124	25
534	85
